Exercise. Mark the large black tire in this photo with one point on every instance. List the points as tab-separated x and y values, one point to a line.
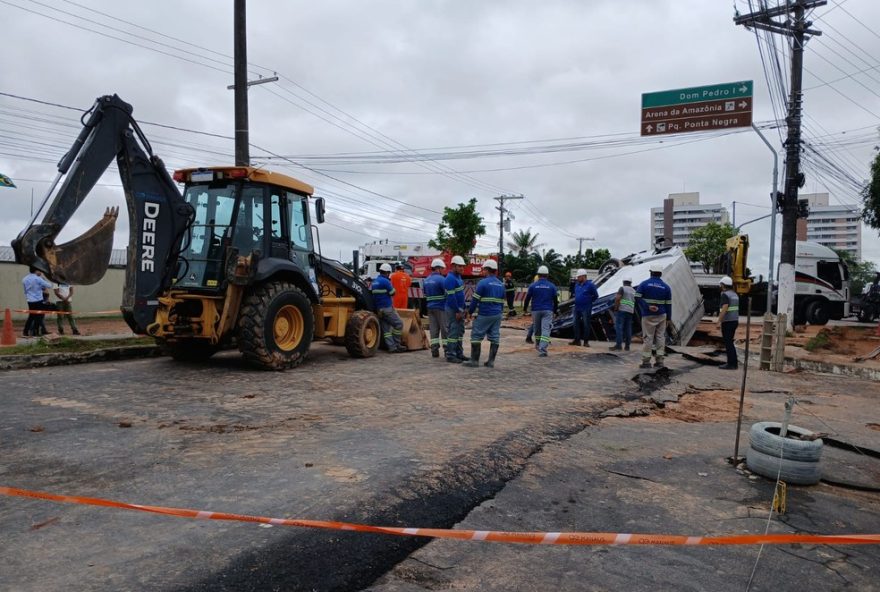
866	313
189	350
764	437
817	312
609	265
362	334
796	472
276	326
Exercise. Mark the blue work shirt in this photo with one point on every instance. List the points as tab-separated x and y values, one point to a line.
543	296
435	293
489	296
654	298
33	287
382	292
454	287
584	295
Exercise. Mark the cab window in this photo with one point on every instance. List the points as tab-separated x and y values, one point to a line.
300	234
830	272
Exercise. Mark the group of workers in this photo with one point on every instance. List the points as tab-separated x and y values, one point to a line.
448	311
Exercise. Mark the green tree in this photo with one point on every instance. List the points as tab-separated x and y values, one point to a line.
859	273
523	242
459	229
871	196
707	244
589	259
554	262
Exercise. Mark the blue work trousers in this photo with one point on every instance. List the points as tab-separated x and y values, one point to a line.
486	327
581	321
454	335
391	327
623	328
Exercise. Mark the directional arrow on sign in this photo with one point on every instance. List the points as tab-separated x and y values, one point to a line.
649	127
743	104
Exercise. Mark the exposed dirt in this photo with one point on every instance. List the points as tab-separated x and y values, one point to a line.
702	406
86	325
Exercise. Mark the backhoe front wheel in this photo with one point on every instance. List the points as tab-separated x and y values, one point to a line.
362	334
276	326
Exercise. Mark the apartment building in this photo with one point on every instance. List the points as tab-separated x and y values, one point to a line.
681	214
835	226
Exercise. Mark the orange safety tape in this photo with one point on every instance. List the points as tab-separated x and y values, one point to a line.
493	536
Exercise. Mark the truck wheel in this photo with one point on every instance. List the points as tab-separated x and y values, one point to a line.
189	350
817	313
276	326
610	265
362	334
866	314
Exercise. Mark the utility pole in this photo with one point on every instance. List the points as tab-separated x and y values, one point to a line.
794	25
242	140
502	210
581	245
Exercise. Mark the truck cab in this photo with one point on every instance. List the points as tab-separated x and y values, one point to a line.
822	285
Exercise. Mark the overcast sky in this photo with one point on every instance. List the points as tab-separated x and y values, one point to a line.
563	78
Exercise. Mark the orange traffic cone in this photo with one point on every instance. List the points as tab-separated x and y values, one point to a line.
8	337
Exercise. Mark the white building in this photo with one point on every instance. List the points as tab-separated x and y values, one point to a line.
835	226
681	214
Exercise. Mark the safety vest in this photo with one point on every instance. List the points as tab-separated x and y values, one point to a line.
627	299
731	299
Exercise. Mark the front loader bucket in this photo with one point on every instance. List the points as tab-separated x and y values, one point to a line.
412	336
84	260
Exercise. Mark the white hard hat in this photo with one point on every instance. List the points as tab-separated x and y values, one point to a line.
627	278
726	281
580	272
656	268
385	267
490	264
543	270
458	260
438	263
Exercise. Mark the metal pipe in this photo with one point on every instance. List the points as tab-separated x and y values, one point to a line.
772	218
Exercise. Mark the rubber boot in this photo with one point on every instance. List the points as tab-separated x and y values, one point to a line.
493	351
435	352
474	360
574	342
658	362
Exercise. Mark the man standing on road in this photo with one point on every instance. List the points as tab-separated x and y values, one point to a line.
435	295
655	306
401	282
728	318
34	283
545	302
383	291
455	311
585	294
509	293
64	294
624	307
489	297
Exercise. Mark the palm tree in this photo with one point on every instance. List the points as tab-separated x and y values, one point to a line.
523	242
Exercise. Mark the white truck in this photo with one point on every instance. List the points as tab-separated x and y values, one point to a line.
373	255
687	302
822	289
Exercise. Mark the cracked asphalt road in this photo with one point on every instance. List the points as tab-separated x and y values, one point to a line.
402	440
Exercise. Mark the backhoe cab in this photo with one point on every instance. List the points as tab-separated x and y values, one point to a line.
232	261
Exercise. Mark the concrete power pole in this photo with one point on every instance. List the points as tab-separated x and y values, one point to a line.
798	28
242	130
581	247
502	210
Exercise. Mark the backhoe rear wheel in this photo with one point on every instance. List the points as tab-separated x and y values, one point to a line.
362	334
276	326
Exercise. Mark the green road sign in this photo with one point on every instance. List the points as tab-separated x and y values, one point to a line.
697	94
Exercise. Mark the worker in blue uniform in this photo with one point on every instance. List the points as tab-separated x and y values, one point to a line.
435	295
585	294
489	297
383	293
654	298
455	311
544	298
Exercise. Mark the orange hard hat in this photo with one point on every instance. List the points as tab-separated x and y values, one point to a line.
508	274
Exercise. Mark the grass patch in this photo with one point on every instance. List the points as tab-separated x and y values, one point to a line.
69	345
820	340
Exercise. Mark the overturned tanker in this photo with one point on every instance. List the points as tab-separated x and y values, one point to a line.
687	302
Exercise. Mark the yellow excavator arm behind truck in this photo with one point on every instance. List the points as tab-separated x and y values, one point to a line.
737	256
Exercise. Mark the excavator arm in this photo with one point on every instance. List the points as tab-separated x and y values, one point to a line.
735	263
158	216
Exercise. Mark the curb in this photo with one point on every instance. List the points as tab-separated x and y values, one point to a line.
821	367
127	352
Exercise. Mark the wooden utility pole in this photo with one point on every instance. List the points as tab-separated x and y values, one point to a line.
794	25
502	210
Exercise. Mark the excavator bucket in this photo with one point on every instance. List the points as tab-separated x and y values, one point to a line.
84	260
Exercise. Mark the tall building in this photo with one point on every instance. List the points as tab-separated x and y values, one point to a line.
835	226
681	214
